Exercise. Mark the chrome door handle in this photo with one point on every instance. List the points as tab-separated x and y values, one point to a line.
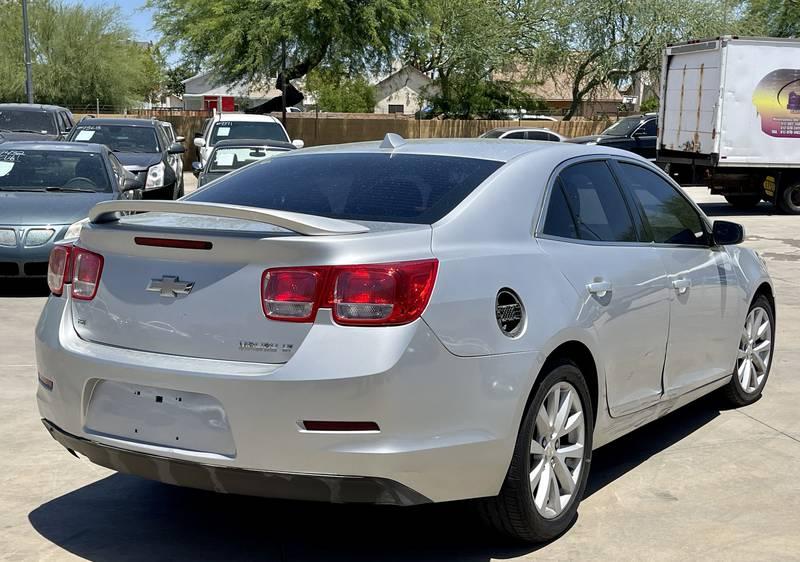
681	285
599	288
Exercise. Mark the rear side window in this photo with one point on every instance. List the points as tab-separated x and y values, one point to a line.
515	135
596	204
559	220
672	219
408	188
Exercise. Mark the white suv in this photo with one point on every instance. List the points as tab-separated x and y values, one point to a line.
226	126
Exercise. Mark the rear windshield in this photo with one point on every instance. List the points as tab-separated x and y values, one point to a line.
408	188
225	130
23	121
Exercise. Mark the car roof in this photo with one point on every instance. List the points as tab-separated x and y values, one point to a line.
253	142
130	121
32	107
56	146
244	117
501	150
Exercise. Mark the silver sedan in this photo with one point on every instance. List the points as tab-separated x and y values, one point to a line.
399	323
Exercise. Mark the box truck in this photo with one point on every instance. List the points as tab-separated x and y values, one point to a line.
730	118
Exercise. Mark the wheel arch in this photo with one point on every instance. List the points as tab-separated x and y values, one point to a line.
580	354
765	289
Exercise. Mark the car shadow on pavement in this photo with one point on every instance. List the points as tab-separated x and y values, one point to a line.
21	288
126	518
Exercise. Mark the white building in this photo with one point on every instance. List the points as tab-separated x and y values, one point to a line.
404	91
203	93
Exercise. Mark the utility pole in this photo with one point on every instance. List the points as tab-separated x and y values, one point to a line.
28	77
283	82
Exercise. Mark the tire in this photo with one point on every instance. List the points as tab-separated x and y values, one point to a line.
517	511
743	389
743	201
789	200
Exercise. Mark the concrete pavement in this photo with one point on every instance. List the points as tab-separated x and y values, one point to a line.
700	483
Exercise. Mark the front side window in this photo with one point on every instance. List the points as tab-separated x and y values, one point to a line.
406	188
225	130
596	203
23	121
649	129
119	138
672	219
42	170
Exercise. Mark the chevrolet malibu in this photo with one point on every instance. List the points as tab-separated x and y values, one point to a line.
401	322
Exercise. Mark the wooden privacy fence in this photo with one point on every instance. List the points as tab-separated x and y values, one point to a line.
338	128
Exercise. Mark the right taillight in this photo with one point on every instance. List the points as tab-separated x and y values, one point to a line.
387	294
58	268
86	269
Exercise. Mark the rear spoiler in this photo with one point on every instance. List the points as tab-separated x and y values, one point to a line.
308	225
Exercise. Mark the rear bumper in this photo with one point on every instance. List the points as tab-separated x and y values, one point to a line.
448	424
228	480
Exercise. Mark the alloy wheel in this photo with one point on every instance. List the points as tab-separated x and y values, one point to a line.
755	350
557	450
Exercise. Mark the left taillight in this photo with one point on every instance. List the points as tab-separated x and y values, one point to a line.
58	268
86	269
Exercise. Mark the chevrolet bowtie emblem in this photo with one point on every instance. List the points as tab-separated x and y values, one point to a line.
169	286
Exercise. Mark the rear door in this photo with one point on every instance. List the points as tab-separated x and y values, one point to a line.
705	306
593	238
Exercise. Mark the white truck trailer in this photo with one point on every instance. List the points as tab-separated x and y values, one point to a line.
730	118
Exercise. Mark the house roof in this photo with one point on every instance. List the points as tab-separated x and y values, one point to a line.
555	87
206	86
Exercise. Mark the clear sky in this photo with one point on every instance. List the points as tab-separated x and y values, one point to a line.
139	19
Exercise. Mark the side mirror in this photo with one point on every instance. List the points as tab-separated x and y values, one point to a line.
176	148
199	142
298	143
197	167
180	139
131	183
726	233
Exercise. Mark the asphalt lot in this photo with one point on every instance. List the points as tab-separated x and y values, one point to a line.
701	483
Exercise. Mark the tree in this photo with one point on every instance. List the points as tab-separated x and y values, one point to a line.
174	77
244	42
336	93
79	54
606	43
772	18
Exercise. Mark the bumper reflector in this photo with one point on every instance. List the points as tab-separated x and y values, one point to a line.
45	382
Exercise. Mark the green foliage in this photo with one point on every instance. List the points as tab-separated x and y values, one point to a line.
79	54
174	77
242	41
649	106
340	94
772	18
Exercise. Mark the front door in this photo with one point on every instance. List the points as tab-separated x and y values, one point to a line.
590	234
705	303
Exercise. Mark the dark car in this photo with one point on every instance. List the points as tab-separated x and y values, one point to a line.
230	155
34	122
636	133
46	191
142	147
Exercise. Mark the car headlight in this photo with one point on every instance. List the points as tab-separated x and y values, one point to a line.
155	176
74	230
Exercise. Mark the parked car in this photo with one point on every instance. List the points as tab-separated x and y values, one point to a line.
176	160
142	147
230	155
523	133
400	322
46	192
636	134
35	122
227	126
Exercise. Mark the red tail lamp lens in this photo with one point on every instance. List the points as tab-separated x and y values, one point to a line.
291	294
86	269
